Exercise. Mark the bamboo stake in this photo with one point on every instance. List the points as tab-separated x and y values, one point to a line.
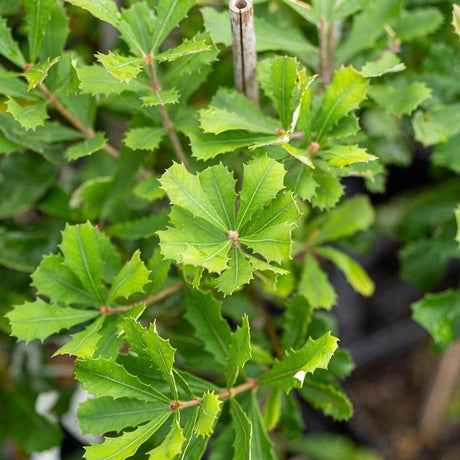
244	49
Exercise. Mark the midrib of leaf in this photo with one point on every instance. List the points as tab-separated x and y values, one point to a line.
163	25
122	281
272	219
264	240
49	318
38	2
85	262
221	200
245	434
167	371
283	98
216	335
186	192
222	249
117	414
236	267
259	184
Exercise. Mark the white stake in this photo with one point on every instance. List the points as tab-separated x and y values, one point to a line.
244	48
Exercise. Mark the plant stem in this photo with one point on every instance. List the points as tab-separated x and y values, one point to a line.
167	122
149	300
87	132
326	51
228	393
270	328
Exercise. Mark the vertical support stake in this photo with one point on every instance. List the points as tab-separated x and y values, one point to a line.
244	48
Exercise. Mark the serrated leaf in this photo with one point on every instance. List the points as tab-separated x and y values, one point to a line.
341	364
243	432
315	286
57	282
446	154
127	444
261	446
239	351
123	68
290	371
301	155
105	10
354	273
230	110
101	415
95	80
132	278
29	116
239	272
171	446
456	18
263	179
439	314
38	14
297	319
37	73
8	46
170	96
339	156
105	377
346	92
160	352
87	147
206	146
437	124
144	138
145	227
137	27
56	33
82	254
400	101
208	414
417	22
387	62
204	314
39	320
327	398
272	408
185	48
353	215
84	343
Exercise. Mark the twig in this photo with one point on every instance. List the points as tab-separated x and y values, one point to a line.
270	328
223	395
167	122
147	301
87	132
325	51
244	48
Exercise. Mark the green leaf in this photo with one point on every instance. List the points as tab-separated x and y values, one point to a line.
297	319
303	9
456	18
145	227
137	27
56	33
290	371
37	73
341	364
439	314
339	156
353	215
242	446
127	444
272	408
187	47
87	147
457	218
84	343
204	314
261	446
239	351
95	80
8	46
206	146
105	377
169	14
239	272
263	179
144	138
56	281
387	62
367	28
279	84
132	278
160	352
29	116
82	254
437	124
314	285
354	273
105	10
229	110
123	68
38	14
400	101
185	190
417	22
170	96
101	415
39	320
346	92
327	398
446	154
208	414
171	446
